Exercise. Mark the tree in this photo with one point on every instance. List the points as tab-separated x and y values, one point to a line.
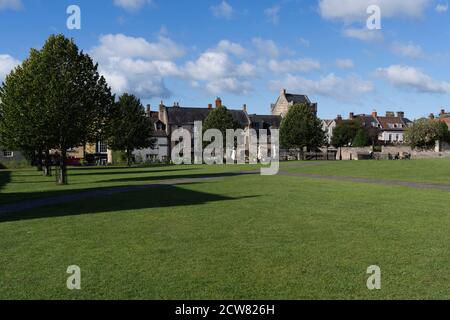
23	125
71	101
424	133
345	133
221	119
301	129
129	128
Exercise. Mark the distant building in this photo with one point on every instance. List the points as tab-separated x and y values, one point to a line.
391	126
287	100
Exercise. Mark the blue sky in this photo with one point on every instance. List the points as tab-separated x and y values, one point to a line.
246	51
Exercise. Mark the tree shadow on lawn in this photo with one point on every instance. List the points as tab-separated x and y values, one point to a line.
5	178
183	176
158	196
123	171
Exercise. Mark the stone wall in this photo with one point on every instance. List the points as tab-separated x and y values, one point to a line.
353	153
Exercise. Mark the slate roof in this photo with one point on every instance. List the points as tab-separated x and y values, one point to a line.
273	121
297	98
187	116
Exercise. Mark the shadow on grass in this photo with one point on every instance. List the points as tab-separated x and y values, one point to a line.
181	176
5	178
156	196
121	171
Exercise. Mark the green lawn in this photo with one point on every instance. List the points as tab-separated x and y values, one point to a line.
238	237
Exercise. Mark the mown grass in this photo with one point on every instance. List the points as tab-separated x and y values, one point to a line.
426	170
241	237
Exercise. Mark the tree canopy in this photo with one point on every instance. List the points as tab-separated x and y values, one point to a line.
301	128
129	127
60	91
221	119
424	133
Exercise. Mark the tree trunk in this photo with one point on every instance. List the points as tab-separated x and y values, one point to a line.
62	176
128	158
47	164
340	153
39	161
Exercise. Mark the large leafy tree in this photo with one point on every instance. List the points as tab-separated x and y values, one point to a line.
24	125
347	133
129	127
301	129
71	101
221	119
424	133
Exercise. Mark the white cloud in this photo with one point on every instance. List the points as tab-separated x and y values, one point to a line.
218	73
348	89
304	42
273	14
132	5
442	7
267	48
409	50
223	10
7	64
292	66
11	4
356	10
363	34
231	47
137	66
345	63
119	45
411	78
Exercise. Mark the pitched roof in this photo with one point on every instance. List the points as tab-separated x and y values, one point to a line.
297	98
182	116
272	120
392	123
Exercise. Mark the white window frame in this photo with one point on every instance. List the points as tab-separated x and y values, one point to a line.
8	154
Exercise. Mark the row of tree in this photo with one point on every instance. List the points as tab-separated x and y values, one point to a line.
57	100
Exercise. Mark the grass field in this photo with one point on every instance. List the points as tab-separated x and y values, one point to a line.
233	237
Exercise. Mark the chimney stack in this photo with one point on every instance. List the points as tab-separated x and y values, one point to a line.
351	116
401	114
283	92
149	109
244	108
210	106
374	114
442	112
218	102
339	117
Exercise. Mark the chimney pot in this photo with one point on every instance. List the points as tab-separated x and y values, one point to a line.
283	92
339	117
218	102
210	106
244	107
351	115
442	112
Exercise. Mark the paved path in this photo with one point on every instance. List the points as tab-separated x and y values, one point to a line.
26	205
416	185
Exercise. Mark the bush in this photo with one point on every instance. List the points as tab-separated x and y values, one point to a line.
14	164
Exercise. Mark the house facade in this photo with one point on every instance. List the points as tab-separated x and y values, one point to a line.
287	100
391	126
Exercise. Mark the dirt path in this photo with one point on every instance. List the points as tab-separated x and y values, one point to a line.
416	185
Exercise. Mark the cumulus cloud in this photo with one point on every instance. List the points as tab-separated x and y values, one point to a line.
136	65
11	4
231	47
348	89
408	50
363	34
356	10
291	66
273	14
410	78
345	63
223	10
266	48
7	64
131	5
442	7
